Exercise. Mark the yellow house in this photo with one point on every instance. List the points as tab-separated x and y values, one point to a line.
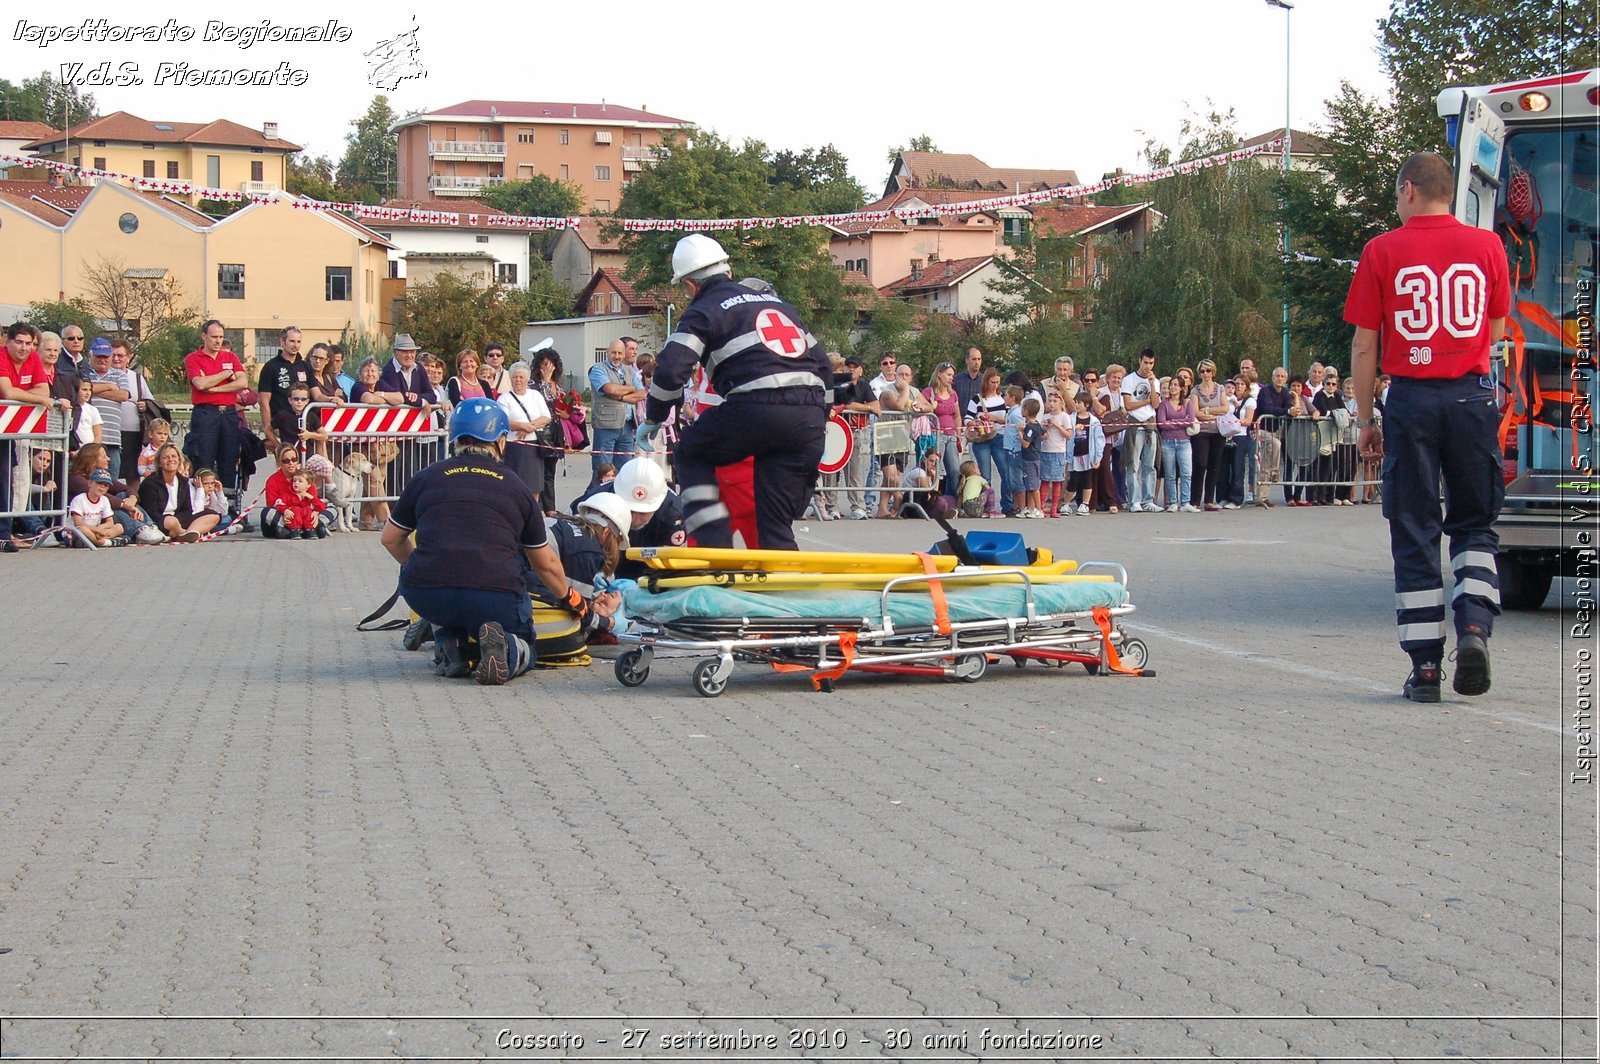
258	270
218	154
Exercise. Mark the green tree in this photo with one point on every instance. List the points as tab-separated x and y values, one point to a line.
1334	213
1207	283
53	316
921	142
545	298
712	178
312	177
821	177
366	171
1429	45
449	313
46	99
538	197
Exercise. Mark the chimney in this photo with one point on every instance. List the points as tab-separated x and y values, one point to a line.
602	105
933	257
574	110
916	269
269	130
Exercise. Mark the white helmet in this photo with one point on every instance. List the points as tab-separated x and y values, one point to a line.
641	485
610	509
696	253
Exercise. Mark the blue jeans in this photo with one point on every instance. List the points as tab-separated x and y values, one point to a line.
458	613
1010	477
606	441
213	442
1140	455
1177	469
952	464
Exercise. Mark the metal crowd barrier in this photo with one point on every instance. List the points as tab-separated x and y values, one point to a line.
1313	459
375	450
26	429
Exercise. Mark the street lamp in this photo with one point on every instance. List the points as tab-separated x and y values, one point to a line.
1288	8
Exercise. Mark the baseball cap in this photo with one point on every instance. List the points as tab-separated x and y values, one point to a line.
100	476
246	397
853	361
101	346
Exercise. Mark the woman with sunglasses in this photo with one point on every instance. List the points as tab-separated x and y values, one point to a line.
941	393
1208	403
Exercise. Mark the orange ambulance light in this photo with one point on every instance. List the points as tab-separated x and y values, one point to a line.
1534	102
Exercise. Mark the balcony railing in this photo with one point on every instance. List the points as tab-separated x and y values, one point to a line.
461	186
640	153
467	150
258	188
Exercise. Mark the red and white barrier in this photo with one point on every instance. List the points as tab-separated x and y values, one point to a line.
24	419
375	420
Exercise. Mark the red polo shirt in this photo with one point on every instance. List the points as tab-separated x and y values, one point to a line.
200	364
28	375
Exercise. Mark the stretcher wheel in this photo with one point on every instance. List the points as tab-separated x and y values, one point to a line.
1134	653
1020	663
630	673
705	678
971	667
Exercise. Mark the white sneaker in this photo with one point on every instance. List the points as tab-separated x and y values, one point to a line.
1189	508
1083	509
858	514
149	534
1230	506
1172	509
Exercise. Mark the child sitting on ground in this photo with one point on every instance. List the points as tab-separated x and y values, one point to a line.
41	490
207	497
92	514
977	497
300	512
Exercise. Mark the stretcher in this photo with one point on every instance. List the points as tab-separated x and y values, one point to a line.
948	621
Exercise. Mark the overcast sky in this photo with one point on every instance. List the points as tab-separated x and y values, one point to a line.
1072	84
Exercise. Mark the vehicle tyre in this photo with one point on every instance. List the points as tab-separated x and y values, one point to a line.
1524	585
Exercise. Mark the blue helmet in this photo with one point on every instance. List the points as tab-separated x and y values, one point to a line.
479	419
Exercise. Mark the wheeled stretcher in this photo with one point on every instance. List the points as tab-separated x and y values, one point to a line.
951	624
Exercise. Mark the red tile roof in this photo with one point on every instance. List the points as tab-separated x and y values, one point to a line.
538	111
589	230
50	204
930	196
1301	142
858	289
634	299
26	130
122	126
1074	218
928	167
942	274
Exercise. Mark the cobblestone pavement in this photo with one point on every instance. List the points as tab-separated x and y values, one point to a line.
233	825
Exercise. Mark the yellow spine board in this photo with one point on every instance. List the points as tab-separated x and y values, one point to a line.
801	561
745	581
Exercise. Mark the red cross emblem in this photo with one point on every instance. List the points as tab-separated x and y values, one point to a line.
780	335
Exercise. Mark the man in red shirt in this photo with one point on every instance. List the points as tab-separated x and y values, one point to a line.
215	375
1433	295
22	380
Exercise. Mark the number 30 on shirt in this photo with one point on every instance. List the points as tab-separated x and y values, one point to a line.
1455	301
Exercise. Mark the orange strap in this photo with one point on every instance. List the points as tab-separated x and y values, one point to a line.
1102	620
941	605
847	654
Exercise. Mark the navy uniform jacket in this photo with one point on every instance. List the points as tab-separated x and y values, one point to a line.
664	529
752	343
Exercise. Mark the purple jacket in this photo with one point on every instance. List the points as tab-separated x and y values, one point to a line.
392	380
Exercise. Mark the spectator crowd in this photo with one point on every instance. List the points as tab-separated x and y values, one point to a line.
968	441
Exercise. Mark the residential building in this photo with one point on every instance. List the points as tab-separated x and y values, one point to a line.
492	254
465	148
259	269
945	286
1305	150
14	140
884	248
1094	228
608	293
937	169
219	154
578	253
